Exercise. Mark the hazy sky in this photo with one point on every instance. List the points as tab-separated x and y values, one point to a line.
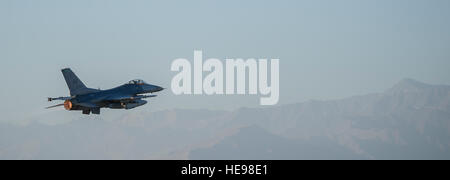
328	49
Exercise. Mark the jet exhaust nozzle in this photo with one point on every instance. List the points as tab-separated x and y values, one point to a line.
68	105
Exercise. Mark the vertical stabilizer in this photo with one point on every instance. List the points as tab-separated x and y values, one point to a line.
73	82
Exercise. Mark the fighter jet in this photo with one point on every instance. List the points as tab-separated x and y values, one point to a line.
88	100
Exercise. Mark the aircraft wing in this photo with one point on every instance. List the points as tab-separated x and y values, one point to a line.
122	98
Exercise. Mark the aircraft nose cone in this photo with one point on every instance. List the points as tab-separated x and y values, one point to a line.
152	88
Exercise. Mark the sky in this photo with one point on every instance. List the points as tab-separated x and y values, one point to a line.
328	49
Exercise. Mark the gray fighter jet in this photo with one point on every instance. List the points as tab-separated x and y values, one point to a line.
88	100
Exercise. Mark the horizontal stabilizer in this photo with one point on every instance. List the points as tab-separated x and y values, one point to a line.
54	106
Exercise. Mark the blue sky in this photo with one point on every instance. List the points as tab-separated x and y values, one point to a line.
328	49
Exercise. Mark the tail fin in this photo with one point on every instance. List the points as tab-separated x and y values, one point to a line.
75	85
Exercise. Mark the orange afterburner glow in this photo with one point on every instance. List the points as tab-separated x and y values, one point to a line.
68	105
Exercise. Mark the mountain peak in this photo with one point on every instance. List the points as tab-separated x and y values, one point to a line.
409	85
411	82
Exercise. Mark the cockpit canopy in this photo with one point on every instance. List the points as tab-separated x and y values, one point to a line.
136	81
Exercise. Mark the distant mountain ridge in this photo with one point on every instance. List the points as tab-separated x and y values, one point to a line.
411	120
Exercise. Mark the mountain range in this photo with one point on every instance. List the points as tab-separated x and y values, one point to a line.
411	120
